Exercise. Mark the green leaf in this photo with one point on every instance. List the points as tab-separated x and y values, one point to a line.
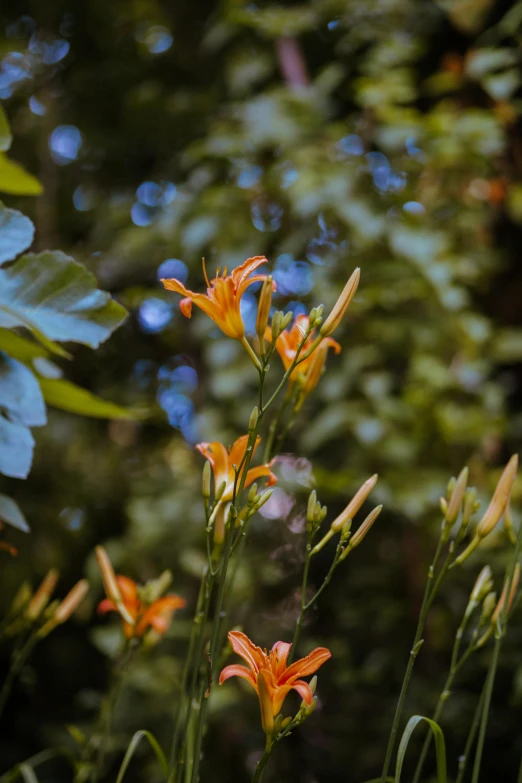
20	393
28	773
69	397
16	180
440	747
16	233
135	741
19	347
5	131
53	294
11	514
16	449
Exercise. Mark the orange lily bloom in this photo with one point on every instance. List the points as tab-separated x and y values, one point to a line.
222	462
287	344
278	679
157	614
223	298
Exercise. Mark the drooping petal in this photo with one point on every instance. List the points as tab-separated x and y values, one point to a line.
333	344
304	691
244	270
251	654
236	670
186	307
217	455
307	665
259	472
107	606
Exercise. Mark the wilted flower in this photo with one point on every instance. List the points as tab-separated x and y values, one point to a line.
156	614
289	341
269	675
222	301
222	462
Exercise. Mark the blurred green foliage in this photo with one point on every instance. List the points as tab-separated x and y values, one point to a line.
326	135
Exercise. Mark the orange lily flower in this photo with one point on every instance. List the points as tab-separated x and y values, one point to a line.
287	344
222	462
223	298
278	679
156	614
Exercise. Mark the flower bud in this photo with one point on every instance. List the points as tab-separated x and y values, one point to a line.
456	496
310	509
265	303
313	683
502	600
362	531
108	575
508	524
469	506
285	320
286	722
43	595
252	423
316	367
205	482
340	307
355	504
252	494
71	601
482	586
488	606
500	498
311	707
346	530
221	490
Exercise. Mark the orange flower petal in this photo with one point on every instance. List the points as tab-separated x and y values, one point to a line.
279	657
304	691
236	670
217	455
251	654
106	606
259	472
307	665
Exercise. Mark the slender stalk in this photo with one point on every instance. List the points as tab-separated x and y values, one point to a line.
15	669
300	619
519	779
260	767
185	677
463	759
107	712
490	680
429	595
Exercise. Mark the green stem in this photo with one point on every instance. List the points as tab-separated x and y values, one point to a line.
490	680
15	669
189	658
260	767
463	759
429	594
300	619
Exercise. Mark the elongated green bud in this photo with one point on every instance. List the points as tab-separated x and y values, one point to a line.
456	495
252	423
355	504
262	499
205	482
310	509
43	595
221	490
277	327
500	498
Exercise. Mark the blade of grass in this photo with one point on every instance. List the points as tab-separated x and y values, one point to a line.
133	745
440	747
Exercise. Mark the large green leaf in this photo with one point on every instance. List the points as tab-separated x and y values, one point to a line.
52	293
16	180
19	347
5	132
16	449
20	394
11	514
69	397
16	233
440	747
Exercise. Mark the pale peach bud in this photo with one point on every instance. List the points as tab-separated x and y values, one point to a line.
109	577
263	310
340	307
500	498
362	531
456	497
71	601
355	504
42	596
502	600
482	586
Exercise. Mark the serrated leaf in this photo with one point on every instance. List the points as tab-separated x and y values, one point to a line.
440	747
54	294
11	514
16	180
16	233
20	393
5	131
69	397
16	449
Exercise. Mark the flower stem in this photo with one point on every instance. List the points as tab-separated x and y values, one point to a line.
15	669
490	680
429	595
248	348
463	759
300	619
